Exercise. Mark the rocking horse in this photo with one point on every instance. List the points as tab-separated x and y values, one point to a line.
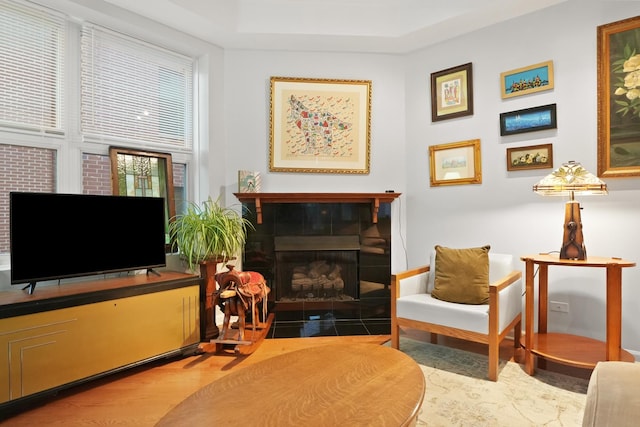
238	293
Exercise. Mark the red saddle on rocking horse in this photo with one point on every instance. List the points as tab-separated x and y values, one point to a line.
237	293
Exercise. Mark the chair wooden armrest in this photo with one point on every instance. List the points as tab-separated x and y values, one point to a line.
505	281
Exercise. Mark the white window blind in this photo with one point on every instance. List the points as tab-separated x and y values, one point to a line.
134	91
32	44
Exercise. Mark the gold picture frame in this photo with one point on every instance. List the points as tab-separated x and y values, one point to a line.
320	125
618	104
530	157
455	163
452	93
530	79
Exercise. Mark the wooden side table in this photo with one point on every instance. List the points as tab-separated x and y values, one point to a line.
569	349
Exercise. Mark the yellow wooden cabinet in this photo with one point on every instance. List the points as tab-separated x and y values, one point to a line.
48	349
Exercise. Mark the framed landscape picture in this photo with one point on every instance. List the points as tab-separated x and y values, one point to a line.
618	101
525	80
531	157
319	125
452	93
528	120
455	163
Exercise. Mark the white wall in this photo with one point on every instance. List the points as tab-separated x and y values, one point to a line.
247	91
503	211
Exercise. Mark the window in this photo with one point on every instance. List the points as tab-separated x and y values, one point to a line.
23	169
131	93
31	68
134	91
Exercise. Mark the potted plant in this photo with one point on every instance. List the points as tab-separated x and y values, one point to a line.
207	235
209	232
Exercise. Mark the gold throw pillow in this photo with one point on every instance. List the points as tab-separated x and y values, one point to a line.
462	275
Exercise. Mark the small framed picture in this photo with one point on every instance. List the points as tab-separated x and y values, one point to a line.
249	181
452	93
525	80
530	157
455	163
528	120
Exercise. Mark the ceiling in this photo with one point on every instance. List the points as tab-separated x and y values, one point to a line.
381	26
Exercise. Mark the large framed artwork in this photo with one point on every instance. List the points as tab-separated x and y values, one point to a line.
320	125
452	93
619	98
530	157
530	79
455	163
528	120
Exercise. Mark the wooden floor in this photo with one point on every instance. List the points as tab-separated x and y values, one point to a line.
142	395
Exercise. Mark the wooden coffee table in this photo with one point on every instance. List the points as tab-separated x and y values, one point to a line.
330	385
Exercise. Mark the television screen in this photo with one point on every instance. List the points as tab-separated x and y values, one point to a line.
55	236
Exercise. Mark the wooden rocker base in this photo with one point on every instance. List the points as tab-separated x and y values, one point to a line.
252	338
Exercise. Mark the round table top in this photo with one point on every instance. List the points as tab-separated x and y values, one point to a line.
332	385
591	261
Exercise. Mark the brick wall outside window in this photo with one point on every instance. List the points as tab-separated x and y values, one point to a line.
96	174
34	169
23	169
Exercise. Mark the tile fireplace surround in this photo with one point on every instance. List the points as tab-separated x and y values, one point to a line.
326	258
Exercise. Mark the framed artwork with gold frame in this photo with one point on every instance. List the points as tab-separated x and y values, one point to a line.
452	93
455	163
530	79
618	98
320	125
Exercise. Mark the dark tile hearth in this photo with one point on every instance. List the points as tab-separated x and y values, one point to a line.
328	326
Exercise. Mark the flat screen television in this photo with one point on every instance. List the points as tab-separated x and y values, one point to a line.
58	236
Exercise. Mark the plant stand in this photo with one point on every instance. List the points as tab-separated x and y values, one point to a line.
208	327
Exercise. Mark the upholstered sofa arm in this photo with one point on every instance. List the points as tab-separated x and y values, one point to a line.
612	395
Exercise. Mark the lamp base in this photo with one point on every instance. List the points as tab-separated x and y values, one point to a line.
573	241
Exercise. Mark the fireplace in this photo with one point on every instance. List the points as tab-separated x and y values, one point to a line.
316	268
322	254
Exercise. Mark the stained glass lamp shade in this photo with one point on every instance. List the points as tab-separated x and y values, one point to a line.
569	180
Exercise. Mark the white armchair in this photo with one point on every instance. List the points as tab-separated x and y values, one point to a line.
412	306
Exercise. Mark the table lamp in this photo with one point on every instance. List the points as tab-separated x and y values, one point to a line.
568	180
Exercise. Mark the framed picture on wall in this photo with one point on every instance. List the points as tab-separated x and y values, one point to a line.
528	120
530	157
618	101
526	80
455	163
320	125
452	93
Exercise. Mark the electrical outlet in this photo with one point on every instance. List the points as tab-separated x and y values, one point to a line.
562	307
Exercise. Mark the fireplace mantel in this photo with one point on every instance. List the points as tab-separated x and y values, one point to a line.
262	198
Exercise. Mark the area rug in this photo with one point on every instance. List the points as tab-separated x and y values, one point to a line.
458	393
